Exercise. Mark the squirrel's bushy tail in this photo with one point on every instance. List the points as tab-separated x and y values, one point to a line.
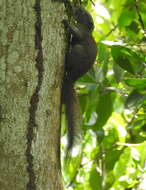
72	112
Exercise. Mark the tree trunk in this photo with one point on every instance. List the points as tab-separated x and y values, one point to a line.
31	65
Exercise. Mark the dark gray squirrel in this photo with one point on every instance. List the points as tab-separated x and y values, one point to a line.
79	59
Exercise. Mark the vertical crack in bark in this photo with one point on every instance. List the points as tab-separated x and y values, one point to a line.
35	98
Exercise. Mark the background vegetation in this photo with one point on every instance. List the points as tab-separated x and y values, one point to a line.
113	102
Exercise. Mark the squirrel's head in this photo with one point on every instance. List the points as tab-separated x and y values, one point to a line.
83	18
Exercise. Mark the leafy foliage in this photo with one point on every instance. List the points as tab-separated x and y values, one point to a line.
113	102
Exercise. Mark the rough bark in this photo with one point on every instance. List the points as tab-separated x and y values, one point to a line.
31	65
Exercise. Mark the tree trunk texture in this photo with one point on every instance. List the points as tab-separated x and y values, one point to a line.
32	52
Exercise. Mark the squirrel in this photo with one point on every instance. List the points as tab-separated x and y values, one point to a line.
79	59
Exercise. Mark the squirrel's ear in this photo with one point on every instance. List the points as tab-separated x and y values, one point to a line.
82	16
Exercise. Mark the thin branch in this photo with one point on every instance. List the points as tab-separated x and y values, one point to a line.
127	144
111	31
139	15
92	2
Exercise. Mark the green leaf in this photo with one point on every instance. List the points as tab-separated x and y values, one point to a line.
134	27
120	56
142	151
134	98
104	108
95	179
118	72
125	169
112	157
138	83
126	18
88	106
103	53
121	165
127	59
